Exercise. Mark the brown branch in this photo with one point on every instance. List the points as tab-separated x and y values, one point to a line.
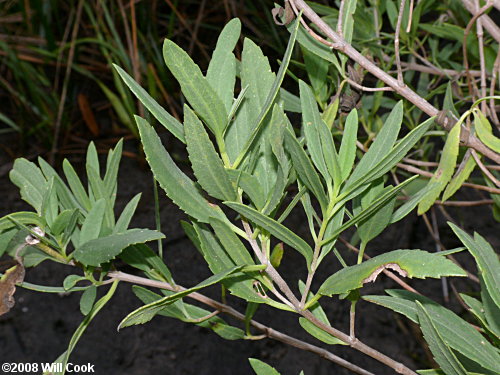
268	331
488	23
341	45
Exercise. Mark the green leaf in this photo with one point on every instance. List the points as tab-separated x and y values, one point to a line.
207	165
23	217
408	263
455	331
190	313
165	118
271	96
347	151
373	225
461	175
250	185
195	87
311	120
76	185
382	145
176	184
276	229
31	182
314	46
92	225
442	352
221	73
112	166
142	257
444	171
485	132
87	300
304	168
102	250
128	212
88	318
234	247
62	221
319	333
355	187
486	259
145	313
262	368
364	214
71	280
491	310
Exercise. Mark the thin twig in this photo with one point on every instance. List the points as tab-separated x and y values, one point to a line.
396	43
494	75
367	89
406	92
268	331
339	19
484	169
416	170
490	25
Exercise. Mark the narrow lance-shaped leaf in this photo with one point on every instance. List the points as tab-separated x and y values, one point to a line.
262	368
408	263
147	312
347	151
442	352
381	146
272	94
388	161
456	332
305	169
444	171
103	249
461	175
375	206
195	87
485	132
176	184
207	165
221	73
164	118
311	119
275	228
486	258
93	222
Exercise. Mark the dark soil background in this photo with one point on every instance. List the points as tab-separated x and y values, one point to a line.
40	326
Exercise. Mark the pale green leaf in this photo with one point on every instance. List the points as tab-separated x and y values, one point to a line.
195	87
408	263
207	165
347	151
31	182
486	259
92	225
124	220
176	184
87	299
262	368
165	118
485	132
102	250
461	175
444	171
145	313
221	73
442	353
305	169
275	228
455	331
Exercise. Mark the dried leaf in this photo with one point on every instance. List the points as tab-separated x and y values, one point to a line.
14	275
